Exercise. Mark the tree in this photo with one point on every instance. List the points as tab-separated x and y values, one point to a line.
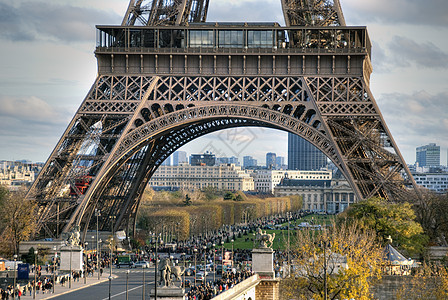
428	282
18	216
348	253
229	196
432	213
396	220
187	200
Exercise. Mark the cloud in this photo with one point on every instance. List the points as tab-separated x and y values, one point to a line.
30	127
48	21
429	12
407	52
31	110
245	11
416	119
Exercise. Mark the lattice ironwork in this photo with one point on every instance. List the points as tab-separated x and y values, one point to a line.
133	119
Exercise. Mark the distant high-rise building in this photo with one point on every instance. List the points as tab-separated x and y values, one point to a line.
206	159
234	160
179	157
271	160
428	155
280	160
302	155
167	162
249	161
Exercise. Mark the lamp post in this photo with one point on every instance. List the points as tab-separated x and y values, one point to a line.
35	272
85	262
155	239
222	258
232	252
195	269
214	261
112	218
288	214
127	280
324	245
97	215
205	264
70	274
185	267
14	287
54	267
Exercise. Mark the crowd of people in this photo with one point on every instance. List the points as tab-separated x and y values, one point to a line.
208	290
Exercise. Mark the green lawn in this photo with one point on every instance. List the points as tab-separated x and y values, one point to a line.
281	236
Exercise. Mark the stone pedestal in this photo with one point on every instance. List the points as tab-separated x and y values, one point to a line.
169	293
263	262
73	252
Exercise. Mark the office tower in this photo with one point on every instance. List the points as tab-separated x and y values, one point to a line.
280	160
249	161
271	162
302	155
428	155
206	159
179	157
167	162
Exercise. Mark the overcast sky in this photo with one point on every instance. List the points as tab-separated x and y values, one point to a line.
47	67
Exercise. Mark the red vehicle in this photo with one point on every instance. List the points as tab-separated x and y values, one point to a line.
81	184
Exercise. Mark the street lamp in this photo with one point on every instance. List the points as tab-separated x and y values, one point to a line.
85	262
155	239
288	214
222	258
14	287
54	267
112	218
97	215
205	264
70	275
214	261
232	252
324	245
195	269
127	280
35	271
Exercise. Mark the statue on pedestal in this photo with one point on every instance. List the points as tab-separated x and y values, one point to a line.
74	238
265	240
167	271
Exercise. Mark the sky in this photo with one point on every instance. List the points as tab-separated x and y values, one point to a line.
47	67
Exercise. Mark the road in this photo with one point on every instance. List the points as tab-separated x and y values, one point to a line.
118	287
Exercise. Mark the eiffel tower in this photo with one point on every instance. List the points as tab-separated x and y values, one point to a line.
167	77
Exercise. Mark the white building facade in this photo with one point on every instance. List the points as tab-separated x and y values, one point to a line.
437	182
223	177
332	196
265	181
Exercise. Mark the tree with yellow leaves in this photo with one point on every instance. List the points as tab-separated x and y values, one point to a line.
340	262
18	221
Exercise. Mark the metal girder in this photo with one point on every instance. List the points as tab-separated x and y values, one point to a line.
313	13
133	119
165	12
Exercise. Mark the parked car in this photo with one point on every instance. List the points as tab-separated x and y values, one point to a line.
141	264
129	264
200	276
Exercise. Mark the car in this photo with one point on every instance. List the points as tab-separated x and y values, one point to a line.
129	264
141	264
200	276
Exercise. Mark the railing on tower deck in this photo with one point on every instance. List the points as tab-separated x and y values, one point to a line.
225	38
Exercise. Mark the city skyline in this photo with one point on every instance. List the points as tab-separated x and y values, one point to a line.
48	67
